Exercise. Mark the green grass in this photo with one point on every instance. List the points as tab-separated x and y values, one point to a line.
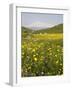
41	54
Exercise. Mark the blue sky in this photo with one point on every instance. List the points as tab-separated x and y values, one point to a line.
40	21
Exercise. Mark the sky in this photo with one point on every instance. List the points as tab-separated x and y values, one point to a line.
37	21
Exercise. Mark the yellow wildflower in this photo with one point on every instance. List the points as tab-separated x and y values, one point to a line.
56	62
55	55
61	64
49	48
33	50
29	67
35	59
58	50
34	55
50	54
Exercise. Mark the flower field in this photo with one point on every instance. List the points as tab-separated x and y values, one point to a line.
42	54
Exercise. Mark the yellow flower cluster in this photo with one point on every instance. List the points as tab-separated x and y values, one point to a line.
29	68
56	62
55	55
33	50
49	48
58	50
35	59
50	54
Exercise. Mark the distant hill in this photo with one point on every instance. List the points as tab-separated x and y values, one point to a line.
56	29
26	30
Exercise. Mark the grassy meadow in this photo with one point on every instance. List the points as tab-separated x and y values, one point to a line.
42	51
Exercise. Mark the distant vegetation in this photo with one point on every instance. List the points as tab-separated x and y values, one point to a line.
55	29
42	51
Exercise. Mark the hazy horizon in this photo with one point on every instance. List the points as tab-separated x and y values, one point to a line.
35	28
37	21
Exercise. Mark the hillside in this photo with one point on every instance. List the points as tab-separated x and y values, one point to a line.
55	29
26	30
